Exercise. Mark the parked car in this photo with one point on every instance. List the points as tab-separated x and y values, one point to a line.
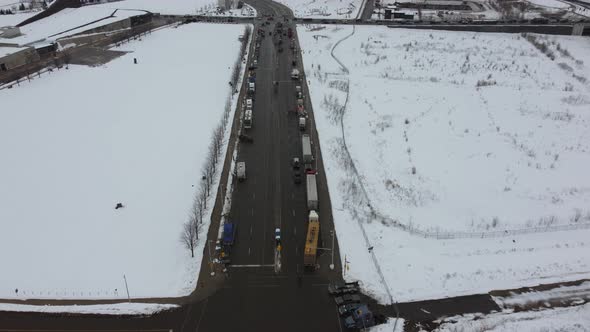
245	138
343	288
348	298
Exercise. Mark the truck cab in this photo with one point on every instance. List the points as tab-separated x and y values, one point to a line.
241	171
302	123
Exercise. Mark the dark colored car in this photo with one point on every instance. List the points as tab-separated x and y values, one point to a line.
342	288
245	138
297	177
345	299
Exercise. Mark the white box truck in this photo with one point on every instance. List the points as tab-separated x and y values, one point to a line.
312	192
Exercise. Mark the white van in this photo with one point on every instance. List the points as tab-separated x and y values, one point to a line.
249	103
241	170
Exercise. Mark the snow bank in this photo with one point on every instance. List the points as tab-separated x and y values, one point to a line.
135	134
572	319
550	3
497	133
389	326
571	293
102	309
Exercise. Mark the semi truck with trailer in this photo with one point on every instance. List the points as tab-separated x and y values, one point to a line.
311	241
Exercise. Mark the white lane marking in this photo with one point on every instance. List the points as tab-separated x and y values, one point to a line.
295	231
202	314
253	195
293	213
251	230
252	212
248	251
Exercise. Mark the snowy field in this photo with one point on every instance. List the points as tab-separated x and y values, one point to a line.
476	138
571	319
68	22
330	9
11	20
135	134
175	7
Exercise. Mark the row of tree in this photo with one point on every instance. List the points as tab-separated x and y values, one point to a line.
193	226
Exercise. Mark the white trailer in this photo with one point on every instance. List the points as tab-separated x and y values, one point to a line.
312	192
306	147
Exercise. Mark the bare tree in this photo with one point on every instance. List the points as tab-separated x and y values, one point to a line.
198	212
189	236
203	195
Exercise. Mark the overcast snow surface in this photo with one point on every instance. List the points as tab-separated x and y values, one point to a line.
512	154
330	9
570	319
101	309
136	134
173	7
69	21
8	20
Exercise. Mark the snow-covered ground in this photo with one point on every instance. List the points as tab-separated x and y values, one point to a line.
330	9
68	22
550	3
177	7
101	309
525	300
76	142
571	319
11	20
497	135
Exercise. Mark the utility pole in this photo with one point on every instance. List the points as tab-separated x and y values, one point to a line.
210	260
127	288
332	265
